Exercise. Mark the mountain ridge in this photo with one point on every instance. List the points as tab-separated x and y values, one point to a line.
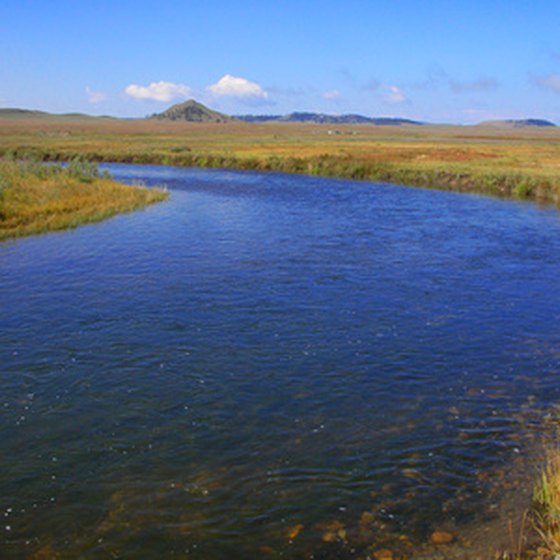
17	113
193	111
323	118
518	123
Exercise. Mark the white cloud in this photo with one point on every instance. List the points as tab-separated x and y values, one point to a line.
95	96
232	86
551	82
159	91
332	95
394	95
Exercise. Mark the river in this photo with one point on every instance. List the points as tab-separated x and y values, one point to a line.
272	366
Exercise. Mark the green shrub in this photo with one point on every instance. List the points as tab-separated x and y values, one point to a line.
82	169
525	187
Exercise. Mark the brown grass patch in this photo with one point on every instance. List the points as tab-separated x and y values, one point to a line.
36	199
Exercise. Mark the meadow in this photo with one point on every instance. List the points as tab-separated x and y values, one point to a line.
522	163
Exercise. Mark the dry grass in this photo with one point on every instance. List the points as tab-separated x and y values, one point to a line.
538	535
36	198
521	163
547	505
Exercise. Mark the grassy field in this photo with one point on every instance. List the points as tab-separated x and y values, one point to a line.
35	198
520	163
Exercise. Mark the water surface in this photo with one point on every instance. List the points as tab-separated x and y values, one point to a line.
270	366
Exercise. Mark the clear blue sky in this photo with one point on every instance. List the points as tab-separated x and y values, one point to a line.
435	60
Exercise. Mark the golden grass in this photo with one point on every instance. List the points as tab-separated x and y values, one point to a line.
521	163
36	198
538	535
547	505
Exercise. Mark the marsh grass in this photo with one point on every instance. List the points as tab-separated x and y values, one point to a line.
37	198
547	504
537	536
521	164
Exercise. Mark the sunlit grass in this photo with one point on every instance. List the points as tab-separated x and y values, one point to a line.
547	505
518	163
36	198
538	535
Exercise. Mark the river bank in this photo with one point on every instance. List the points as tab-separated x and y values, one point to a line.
516	185
35	198
517	163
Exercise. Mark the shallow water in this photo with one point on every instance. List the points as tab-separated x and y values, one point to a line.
245	370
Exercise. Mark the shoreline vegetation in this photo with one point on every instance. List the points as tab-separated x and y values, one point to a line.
506	184
513	163
535	535
546	507
37	198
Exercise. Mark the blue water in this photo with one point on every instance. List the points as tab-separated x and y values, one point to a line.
244	370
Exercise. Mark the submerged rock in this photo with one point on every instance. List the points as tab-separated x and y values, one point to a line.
295	531
383	554
442	537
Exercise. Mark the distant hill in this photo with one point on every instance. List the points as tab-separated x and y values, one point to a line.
21	113
517	123
327	119
13	113
258	118
191	111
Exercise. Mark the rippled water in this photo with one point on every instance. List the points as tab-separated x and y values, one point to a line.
270	366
